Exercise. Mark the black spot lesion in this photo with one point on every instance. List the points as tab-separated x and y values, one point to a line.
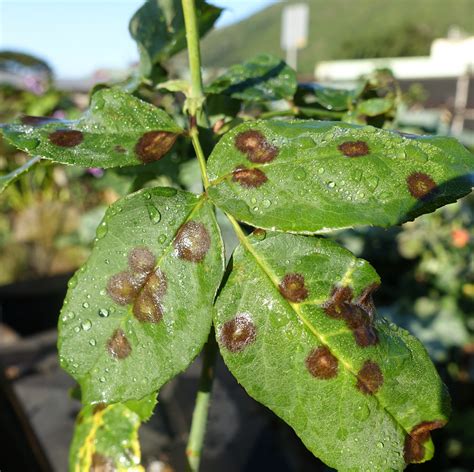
153	145
192	241
422	186
321	363
256	146
293	288
141	285
66	137
414	449
236	334
369	378
354	148
358	314
118	345
37	120
249	178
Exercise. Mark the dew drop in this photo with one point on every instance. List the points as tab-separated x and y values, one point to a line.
266	203
77	329
154	214
331	184
86	325
102	379
72	282
85	305
380	445
92	342
300	173
103	313
147	195
103	292
101	230
362	413
253	200
162	238
71	315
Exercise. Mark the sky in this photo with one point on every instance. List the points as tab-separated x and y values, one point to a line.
77	37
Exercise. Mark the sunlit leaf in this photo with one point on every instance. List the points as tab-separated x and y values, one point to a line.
7	179
139	310
118	130
106	436
310	176
297	327
158	29
263	77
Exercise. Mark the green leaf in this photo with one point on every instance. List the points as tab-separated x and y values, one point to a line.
376	106
118	130
139	311
310	176
296	326
7	179
158	29
106	436
264	77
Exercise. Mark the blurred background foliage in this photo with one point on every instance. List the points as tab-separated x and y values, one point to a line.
49	216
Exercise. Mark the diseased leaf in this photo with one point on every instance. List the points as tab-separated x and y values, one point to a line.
139	310
7	179
118	130
106	436
262	78
315	176
158	29
297	327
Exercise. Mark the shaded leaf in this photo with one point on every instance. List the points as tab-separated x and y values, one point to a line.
297	327
261	78
309	176
106	436
158	29
139	310
7	179
118	130
376	106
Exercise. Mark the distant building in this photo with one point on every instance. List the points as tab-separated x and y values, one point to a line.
446	74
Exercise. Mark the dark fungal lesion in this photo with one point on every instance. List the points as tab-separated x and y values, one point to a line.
153	145
369	378
354	148
192	241
249	178
236	334
321	363
101	463
142	285
358	314
256	146
293	288
37	120
414	449
421	186
66	137
118	345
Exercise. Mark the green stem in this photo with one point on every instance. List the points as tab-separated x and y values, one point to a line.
193	132
201	408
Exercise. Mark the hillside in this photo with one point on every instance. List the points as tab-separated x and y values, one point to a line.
343	29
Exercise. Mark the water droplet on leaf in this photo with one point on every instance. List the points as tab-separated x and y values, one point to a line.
154	214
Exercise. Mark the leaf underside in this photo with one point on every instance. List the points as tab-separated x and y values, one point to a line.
139	311
314	176
297	328
118	130
106	436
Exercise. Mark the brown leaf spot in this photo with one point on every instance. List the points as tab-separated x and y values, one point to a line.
360	322
321	363
153	145
147	307
37	120
249	178
414	450
292	288
421	186
99	407
118	345
101	463
122	288
238	333
365	298
66	137
255	145
335	307
141	259
369	378
354	148
192	242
